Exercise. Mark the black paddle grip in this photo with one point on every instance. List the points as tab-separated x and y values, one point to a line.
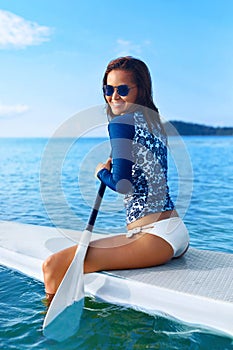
98	200
95	210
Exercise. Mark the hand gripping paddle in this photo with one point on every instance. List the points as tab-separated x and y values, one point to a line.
63	316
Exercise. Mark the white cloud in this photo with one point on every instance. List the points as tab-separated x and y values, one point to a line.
126	47
12	110
16	32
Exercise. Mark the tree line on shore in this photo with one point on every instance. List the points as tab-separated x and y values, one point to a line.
192	129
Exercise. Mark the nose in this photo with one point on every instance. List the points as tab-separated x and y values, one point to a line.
115	95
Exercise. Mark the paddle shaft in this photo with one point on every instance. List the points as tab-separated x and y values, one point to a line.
95	210
98	200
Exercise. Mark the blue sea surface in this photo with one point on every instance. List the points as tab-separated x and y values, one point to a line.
51	183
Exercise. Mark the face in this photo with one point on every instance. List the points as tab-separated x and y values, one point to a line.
121	104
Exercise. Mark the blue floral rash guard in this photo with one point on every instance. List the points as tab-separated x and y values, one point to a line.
139	168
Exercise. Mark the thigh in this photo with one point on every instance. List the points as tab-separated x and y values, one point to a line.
120	252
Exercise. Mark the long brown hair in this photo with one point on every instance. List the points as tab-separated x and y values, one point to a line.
142	79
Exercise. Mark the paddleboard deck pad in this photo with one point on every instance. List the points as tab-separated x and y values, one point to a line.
196	289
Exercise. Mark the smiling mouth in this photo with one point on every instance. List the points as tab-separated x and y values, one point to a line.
116	104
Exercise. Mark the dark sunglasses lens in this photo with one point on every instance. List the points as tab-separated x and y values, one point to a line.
108	90
123	90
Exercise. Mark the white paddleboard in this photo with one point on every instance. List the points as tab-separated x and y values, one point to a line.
198	288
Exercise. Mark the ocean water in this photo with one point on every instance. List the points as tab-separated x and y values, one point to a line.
51	183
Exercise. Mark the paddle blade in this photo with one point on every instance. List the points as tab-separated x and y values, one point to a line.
66	323
70	291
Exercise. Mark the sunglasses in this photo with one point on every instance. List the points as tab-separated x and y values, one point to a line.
122	90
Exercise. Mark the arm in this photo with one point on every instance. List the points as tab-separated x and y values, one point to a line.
121	132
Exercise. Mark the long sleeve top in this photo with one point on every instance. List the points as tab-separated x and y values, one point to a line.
139	168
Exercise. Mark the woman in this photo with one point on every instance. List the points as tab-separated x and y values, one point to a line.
156	234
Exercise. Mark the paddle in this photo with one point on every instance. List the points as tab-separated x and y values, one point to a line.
63	316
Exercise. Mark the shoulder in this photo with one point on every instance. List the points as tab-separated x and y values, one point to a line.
122	126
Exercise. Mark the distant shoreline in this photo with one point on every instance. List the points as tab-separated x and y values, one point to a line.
181	128
193	129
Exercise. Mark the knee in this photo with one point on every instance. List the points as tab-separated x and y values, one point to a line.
49	265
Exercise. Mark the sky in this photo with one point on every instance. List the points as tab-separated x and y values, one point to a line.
53	55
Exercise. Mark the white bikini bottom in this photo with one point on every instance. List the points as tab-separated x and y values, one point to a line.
172	230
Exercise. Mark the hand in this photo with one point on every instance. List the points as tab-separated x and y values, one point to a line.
101	166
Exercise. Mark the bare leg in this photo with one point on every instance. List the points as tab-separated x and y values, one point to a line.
55	267
111	253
